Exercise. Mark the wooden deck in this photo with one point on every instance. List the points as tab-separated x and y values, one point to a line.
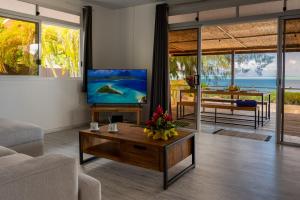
292	122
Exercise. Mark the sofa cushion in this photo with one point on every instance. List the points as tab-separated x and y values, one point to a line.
14	159
5	151
14	132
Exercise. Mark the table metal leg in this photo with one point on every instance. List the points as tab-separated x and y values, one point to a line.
262	110
269	106
177	111
167	182
258	117
215	115
81	159
255	118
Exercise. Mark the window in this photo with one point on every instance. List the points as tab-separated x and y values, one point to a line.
256	71
50	13
293	4
18	6
223	13
20	41
216	70
18	47
260	8
191	17
60	51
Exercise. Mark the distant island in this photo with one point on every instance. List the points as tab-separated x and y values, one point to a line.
108	89
142	99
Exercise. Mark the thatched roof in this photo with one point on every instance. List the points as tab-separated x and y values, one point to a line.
260	36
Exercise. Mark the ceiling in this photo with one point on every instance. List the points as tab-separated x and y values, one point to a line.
117	4
249	37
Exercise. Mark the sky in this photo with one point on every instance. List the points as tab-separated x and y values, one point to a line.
292	68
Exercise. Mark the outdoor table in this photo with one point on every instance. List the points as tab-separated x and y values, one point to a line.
237	94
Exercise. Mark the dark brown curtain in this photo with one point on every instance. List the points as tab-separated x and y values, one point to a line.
160	71
87	44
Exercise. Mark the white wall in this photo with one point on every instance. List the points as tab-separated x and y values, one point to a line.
136	43
50	103
106	38
124	38
53	104
121	39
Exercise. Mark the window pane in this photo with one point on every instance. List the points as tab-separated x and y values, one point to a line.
223	13
18	47
256	71
60	51
293	4
46	12
182	18
260	8
216	70
18	6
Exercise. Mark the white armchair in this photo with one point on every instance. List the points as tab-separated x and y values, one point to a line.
47	177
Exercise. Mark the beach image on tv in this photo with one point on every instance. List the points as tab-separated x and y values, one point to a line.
117	86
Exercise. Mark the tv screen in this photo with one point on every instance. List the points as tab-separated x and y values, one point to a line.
117	86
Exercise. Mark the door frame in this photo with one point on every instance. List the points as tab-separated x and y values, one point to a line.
199	58
279	101
281	80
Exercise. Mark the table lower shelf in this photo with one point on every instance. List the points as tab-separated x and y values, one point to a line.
109	150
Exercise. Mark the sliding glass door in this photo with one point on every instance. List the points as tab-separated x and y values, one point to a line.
184	79
289	84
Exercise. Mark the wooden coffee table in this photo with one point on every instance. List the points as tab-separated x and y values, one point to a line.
131	145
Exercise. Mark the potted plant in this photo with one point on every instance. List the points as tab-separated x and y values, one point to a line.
161	125
233	88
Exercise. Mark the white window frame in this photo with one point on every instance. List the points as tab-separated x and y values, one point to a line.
39	20
71	26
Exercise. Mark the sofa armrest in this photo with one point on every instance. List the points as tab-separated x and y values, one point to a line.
89	188
48	177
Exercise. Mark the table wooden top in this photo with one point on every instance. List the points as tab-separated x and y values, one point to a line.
133	133
227	92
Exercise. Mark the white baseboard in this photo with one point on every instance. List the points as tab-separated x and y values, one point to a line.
64	128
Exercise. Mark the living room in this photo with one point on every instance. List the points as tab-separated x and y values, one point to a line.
60	138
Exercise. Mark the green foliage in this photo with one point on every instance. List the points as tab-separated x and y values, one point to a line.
261	61
204	85
292	98
217	67
60	48
16	38
187	65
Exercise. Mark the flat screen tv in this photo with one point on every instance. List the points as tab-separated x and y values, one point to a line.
117	86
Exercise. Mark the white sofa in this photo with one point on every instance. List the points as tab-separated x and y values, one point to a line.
22	137
44	178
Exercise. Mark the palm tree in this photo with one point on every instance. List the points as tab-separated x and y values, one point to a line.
216	67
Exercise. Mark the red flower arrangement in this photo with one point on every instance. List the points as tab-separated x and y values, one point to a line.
160	125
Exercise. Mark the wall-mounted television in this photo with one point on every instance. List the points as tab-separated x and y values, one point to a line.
117	86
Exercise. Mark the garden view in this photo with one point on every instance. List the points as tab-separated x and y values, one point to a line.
19	49
255	71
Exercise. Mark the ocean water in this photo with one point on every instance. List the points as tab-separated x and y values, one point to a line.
132	91
268	84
